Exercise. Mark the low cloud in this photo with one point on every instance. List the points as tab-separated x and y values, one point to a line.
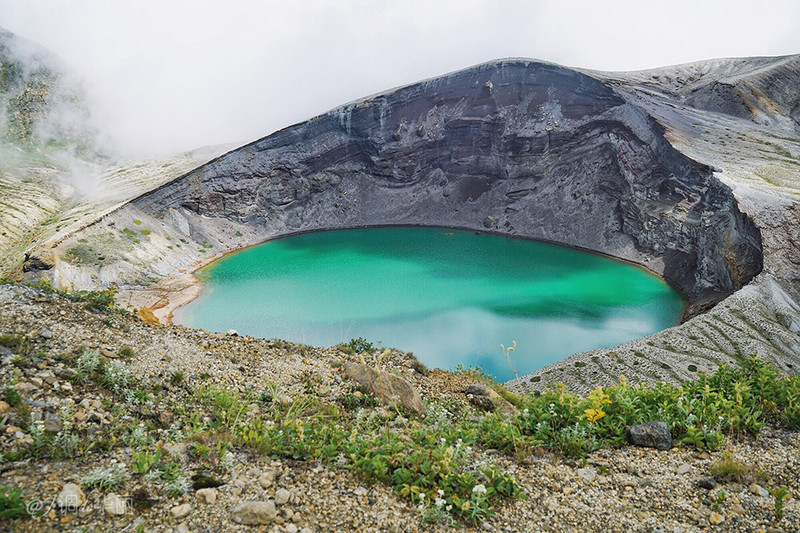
174	75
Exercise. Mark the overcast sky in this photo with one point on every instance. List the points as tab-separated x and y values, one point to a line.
166	75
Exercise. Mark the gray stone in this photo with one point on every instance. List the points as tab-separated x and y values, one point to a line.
70	497
39	259
650	435
254	513
282	496
685	468
387	387
207	496
587	474
267	478
758	490
177	448
508	179
707	483
52	423
114	505
181	511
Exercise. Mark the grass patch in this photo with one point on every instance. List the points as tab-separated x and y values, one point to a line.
728	469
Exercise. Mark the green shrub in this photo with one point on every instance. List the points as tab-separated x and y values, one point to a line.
9	341
176	378
357	346
12	396
102	300
11	503
88	363
143	460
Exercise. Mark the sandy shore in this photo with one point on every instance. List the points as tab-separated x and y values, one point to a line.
163	297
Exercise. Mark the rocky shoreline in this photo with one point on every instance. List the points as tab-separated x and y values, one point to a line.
629	488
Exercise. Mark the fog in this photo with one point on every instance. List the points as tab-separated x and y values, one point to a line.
167	75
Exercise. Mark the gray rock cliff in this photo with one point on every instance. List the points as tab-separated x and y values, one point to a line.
514	147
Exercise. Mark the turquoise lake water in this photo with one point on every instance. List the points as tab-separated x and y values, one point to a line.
450	297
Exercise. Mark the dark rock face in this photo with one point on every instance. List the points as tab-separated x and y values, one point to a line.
650	435
514	147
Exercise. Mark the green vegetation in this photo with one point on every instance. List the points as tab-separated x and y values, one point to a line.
11	396
102	300
126	352
779	494
12	504
438	463
143	461
112	477
357	346
729	469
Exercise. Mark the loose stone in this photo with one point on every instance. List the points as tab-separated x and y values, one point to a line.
254	513
70	497
282	496
707	483
114	505
207	496
181	511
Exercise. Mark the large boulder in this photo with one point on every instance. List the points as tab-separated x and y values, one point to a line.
386	386
650	435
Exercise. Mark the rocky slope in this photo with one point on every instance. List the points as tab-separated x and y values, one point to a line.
55	173
65	425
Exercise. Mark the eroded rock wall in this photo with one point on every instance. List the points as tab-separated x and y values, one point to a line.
515	147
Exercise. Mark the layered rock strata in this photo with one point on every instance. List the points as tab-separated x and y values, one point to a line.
515	147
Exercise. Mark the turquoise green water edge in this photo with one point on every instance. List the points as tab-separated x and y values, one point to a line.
450	297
